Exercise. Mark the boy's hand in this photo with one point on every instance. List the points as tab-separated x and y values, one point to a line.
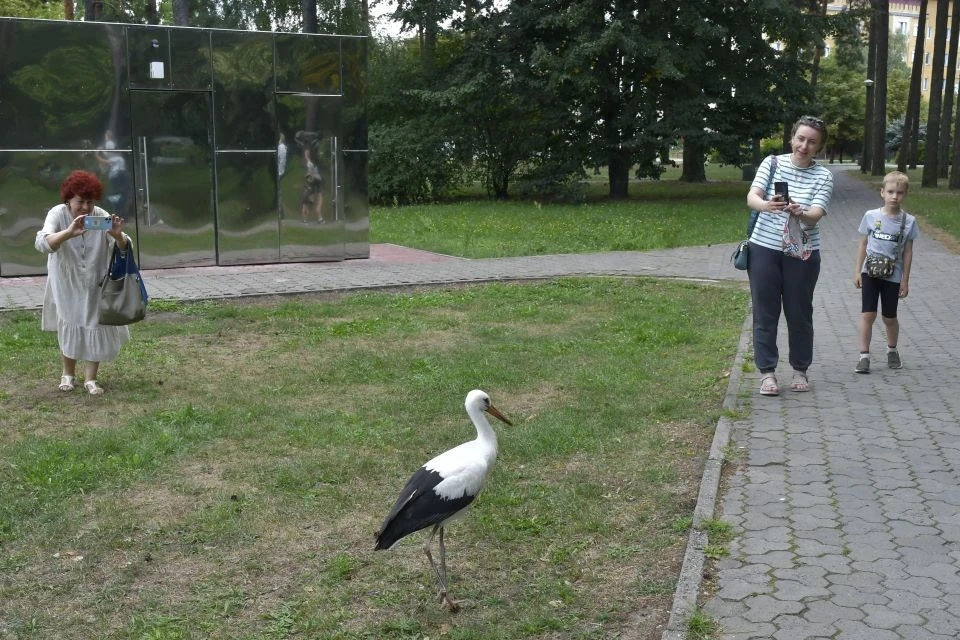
856	281
904	289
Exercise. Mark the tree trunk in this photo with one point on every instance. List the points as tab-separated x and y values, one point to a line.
955	171
181	13
911	121
818	50
693	157
879	160
867	157
499	180
309	10
429	52
150	12
618	172
946	119
93	10
68	13
932	148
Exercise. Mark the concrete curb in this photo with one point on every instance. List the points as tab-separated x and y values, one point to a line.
694	559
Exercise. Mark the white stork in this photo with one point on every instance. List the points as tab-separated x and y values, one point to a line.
442	489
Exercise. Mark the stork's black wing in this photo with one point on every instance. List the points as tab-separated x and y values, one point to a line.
418	507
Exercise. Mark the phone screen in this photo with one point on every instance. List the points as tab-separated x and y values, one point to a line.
782	189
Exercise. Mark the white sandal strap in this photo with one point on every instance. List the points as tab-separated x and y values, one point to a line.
93	388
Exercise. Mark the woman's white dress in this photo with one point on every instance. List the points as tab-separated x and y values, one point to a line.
72	295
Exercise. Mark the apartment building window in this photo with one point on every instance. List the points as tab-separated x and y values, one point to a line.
926	58
926	83
902	27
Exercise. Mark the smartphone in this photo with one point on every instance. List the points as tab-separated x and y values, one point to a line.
782	189
98	223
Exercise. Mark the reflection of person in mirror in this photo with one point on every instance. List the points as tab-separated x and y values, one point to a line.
311	200
281	169
77	260
118	180
281	156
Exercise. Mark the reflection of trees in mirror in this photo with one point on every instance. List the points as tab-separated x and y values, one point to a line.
55	75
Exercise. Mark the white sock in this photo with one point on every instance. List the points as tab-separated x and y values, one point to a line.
890	349
864	354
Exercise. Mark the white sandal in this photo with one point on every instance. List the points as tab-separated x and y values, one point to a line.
93	388
769	385
66	383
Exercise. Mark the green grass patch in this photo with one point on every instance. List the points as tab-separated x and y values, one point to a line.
230	481
659	214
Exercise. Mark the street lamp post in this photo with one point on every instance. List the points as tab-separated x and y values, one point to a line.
868	134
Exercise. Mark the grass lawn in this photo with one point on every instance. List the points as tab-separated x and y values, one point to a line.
659	214
229	483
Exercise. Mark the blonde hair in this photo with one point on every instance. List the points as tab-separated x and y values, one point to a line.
898	178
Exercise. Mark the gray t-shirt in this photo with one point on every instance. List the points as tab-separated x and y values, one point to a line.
884	238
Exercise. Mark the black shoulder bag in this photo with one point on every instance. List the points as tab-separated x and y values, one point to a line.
741	255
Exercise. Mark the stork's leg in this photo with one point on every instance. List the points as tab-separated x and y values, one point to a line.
443	597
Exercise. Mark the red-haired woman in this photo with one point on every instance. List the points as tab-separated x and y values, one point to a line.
76	262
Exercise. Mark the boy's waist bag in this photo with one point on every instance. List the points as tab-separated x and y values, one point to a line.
878	266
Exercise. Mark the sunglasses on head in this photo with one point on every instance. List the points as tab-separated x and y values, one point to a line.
810	121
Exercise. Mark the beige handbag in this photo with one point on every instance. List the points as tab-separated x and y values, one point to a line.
123	297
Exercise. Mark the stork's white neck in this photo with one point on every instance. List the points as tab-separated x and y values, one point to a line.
485	433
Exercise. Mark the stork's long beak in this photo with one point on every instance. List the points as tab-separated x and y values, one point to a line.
492	410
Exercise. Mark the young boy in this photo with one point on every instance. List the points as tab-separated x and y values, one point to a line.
890	232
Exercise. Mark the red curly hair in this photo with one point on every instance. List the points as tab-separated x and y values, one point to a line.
81	183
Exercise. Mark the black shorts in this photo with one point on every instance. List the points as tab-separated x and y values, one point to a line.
874	289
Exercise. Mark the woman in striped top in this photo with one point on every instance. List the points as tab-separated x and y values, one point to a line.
776	279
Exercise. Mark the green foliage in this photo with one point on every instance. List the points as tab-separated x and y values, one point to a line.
411	158
529	96
31	9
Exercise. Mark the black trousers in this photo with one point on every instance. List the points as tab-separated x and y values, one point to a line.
780	282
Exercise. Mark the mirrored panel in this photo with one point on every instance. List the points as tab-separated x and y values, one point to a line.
190	59
247	223
173	168
356	205
308	63
354	96
115	169
47	100
243	85
145	110
312	224
149	51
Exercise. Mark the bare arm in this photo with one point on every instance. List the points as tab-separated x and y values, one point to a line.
861	255
56	240
757	201
907	264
